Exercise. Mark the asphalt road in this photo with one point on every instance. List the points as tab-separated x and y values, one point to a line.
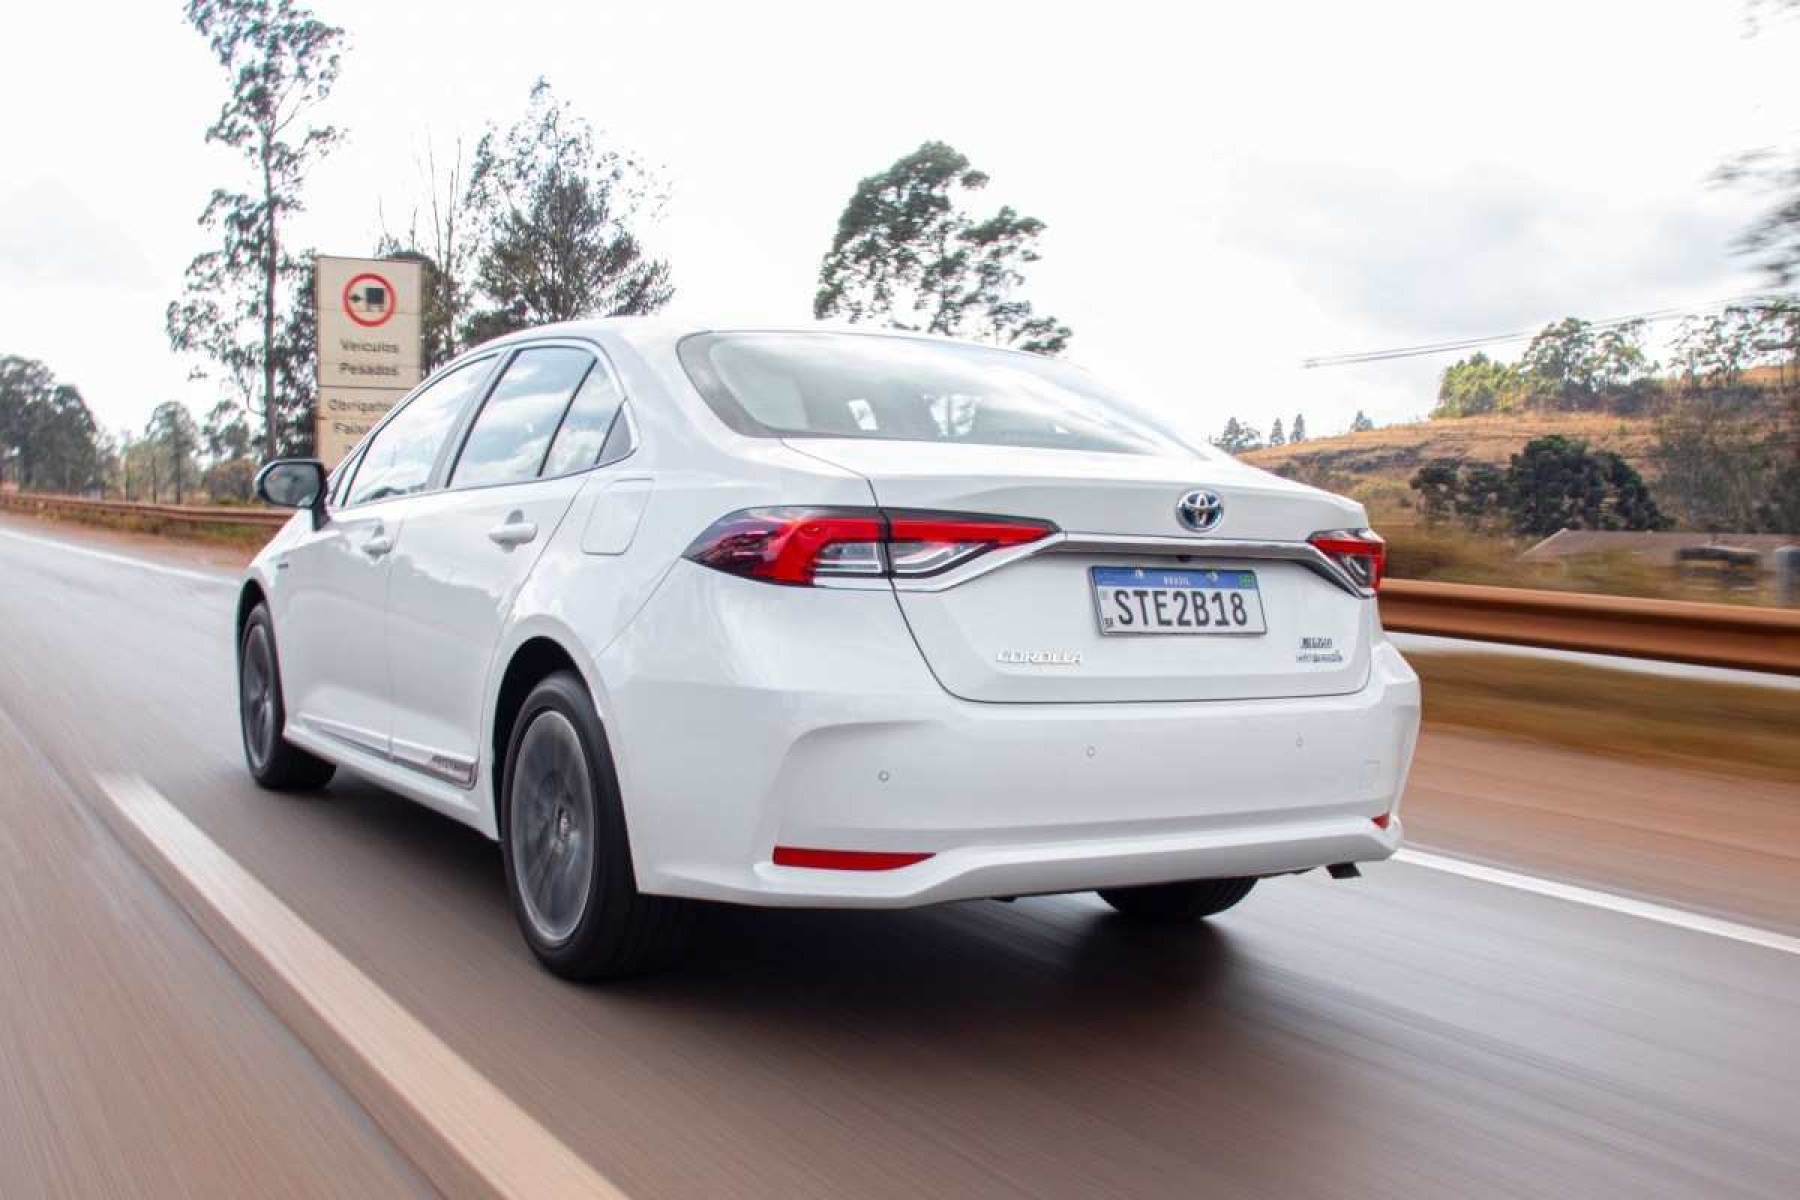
1413	1033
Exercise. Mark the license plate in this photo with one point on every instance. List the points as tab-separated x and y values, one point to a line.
1166	600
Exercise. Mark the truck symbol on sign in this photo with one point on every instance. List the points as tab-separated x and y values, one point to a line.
369	299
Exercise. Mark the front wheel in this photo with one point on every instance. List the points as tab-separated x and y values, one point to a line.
1178	903
564	845
273	762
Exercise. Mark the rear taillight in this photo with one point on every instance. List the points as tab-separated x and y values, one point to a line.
808	545
1361	552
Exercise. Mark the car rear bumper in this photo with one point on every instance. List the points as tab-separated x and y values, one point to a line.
847	743
1092	862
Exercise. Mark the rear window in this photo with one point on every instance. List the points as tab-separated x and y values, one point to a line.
847	385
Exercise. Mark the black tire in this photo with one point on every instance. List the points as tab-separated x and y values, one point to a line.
565	848
1178	903
273	762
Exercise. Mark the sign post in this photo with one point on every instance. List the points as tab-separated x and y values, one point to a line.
371	347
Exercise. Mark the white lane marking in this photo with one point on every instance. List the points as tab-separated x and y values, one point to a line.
1660	913
475	1136
126	559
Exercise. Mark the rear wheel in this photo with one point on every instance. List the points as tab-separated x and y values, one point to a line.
1176	903
273	762
563	840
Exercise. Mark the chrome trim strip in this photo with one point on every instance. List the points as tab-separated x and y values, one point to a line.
451	768
1303	553
353	735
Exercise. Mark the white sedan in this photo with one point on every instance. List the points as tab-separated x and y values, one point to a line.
823	618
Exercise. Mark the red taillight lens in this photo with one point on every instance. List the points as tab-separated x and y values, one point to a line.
792	545
804	545
1361	552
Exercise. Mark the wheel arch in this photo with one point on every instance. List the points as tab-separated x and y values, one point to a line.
249	596
532	661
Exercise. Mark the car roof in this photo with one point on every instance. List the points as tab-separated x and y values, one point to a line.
660	330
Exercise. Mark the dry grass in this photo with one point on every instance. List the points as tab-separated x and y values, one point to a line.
1394	452
1376	468
235	537
1728	727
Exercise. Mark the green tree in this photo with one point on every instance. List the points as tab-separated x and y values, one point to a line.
1238	437
282	63
1299	431
225	433
1361	423
1619	361
1713	352
140	470
1435	484
554	212
68	456
1475	493
1477	385
229	479
1572	365
1557	483
909	254
173	440
296	360
1482	494
1714	464
1558	365
48	438
24	383
1276	436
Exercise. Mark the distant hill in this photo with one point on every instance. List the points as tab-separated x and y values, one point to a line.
1375	466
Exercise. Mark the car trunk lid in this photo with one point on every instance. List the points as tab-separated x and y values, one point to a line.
1032	629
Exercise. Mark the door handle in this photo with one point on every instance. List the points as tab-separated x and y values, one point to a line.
514	531
379	543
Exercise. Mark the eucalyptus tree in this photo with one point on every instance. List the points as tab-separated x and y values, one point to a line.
556	210
910	254
281	62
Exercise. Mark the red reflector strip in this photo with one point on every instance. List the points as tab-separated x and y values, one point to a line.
1381	822
845	860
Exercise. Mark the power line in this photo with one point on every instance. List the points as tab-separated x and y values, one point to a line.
1451	347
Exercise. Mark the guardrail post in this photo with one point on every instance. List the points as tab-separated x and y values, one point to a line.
1787	575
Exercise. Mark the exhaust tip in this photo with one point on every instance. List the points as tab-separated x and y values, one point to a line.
1344	871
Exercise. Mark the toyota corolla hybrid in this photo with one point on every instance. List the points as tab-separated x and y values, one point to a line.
808	617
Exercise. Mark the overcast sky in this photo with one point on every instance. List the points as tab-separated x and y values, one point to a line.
1228	189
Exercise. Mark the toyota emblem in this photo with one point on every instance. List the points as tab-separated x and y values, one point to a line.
1200	510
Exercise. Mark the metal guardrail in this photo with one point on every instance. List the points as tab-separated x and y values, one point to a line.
1712	635
174	514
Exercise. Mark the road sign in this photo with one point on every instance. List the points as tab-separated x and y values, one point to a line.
344	415
371	349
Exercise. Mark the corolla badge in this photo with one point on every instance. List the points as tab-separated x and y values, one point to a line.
1040	658
1200	510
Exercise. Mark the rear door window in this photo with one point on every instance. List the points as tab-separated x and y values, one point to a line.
584	429
511	435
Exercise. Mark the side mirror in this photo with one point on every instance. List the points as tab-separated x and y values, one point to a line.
294	483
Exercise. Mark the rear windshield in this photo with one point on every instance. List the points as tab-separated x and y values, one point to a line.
848	385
